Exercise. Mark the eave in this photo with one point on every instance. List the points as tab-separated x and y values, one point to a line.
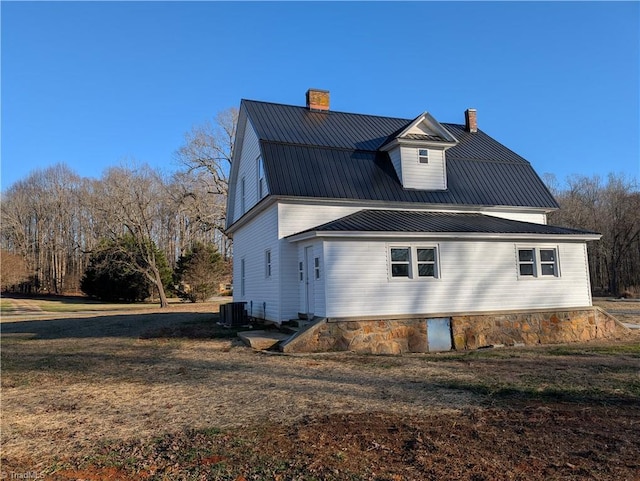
361	235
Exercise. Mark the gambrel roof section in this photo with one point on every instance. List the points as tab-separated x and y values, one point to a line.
338	155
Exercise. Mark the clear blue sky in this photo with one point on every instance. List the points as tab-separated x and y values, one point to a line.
92	84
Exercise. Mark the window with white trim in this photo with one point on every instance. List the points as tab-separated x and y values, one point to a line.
538	262
548	262
413	262
316	267
301	271
262	183
423	156
426	259
243	198
400	262
267	264
527	262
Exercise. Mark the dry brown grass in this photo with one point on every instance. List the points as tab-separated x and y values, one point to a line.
622	309
72	386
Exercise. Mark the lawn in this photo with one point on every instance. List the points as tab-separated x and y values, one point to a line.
169	394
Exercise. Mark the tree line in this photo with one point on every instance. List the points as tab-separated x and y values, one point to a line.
610	207
54	220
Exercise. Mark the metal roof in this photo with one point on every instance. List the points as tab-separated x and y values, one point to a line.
437	222
335	155
297	170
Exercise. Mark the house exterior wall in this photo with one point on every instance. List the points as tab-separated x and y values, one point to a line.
413	174
316	284
294	218
474	276
248	170
533	217
283	291
250	244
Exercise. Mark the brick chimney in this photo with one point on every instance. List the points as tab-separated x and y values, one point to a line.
471	120
318	99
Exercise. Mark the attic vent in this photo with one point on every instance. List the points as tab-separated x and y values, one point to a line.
318	99
471	120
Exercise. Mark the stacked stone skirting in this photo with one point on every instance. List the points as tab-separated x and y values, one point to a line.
396	336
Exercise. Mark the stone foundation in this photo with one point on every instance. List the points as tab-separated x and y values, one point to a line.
369	337
528	328
396	336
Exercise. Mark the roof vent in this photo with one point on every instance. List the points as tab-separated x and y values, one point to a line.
318	99
471	120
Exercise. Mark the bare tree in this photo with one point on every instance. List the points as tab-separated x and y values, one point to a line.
611	209
40	222
13	270
130	200
206	158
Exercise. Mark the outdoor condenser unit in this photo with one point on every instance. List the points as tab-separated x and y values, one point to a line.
233	314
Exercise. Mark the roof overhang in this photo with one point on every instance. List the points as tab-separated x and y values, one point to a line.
461	236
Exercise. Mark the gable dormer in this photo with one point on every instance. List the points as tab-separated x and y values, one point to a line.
418	154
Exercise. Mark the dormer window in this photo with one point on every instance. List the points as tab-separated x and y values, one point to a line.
423	156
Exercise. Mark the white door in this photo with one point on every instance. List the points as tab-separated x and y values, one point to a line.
309	280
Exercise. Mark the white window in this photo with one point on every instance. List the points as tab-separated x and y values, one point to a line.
548	262
423	156
301	270
400	262
242	277
527	262
242	196
538	262
414	262
316	267
267	264
262	185
426	261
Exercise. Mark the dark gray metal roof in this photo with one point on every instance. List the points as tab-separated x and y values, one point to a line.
335	155
297	170
437	222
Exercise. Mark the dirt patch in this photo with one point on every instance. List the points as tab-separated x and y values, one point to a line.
527	442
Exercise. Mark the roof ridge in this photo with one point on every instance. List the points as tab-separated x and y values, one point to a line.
328	111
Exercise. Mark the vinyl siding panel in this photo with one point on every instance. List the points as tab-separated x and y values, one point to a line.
296	218
250	243
318	285
533	217
396	160
248	170
430	176
474	277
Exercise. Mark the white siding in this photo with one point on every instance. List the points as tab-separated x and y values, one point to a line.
296	218
534	218
431	176
394	155
319	301
250	243
248	169
474	277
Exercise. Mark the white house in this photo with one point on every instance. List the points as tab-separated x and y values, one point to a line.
341	216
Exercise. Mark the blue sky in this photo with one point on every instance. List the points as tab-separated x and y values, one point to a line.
93	84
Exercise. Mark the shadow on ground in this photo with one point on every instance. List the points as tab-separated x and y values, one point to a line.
135	325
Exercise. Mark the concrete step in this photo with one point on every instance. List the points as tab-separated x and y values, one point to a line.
262	340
